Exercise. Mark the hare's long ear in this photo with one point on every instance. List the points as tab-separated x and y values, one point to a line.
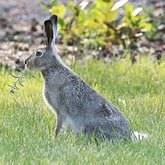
54	20
48	32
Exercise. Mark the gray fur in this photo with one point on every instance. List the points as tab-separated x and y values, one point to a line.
75	103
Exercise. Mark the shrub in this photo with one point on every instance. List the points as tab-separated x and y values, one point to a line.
100	24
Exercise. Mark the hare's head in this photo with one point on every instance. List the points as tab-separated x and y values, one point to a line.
46	57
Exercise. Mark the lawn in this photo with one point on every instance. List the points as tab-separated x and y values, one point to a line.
27	125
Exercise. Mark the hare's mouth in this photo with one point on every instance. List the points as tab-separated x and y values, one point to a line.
28	66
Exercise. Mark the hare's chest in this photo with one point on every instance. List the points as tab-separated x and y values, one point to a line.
51	98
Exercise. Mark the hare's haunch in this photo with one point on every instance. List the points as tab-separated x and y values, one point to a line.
75	103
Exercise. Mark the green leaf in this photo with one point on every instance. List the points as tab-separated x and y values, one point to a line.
128	8
59	10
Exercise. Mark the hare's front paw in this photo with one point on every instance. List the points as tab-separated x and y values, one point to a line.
59	123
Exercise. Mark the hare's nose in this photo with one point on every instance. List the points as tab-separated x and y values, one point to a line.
25	61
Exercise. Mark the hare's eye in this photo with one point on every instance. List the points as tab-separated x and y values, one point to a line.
38	53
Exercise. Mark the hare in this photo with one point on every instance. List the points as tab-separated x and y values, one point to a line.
74	102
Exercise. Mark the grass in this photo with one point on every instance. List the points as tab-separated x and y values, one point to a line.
27	125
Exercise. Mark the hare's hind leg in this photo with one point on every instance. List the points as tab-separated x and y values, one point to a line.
92	130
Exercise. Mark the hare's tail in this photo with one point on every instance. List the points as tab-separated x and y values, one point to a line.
137	136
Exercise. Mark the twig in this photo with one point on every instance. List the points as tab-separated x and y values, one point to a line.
19	80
